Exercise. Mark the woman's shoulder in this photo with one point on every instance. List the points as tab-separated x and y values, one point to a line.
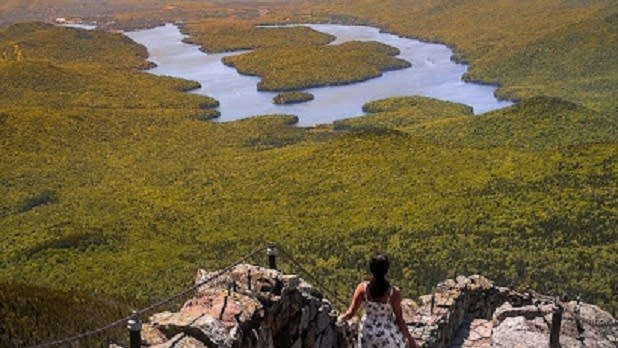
361	286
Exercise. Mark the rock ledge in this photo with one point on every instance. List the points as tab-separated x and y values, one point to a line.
254	307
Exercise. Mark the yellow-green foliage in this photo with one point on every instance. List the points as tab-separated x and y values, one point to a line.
123	195
31	315
153	194
537	123
302	67
560	48
56	45
232	34
401	112
292	97
73	68
578	62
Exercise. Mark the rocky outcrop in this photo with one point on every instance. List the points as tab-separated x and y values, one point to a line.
473	312
253	307
250	307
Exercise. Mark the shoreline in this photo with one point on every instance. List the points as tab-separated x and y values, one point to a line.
426	77
455	56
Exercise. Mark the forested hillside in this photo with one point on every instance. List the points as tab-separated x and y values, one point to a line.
559	48
113	182
88	188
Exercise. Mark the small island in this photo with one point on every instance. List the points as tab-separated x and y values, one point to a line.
292	97
295	68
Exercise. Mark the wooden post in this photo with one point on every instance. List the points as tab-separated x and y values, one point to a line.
556	323
134	325
271	251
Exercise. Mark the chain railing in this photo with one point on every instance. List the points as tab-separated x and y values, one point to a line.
68	341
558	302
133	324
272	250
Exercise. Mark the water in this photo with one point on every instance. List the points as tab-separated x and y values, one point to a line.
432	74
79	26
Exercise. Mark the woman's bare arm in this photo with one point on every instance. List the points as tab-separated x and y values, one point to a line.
357	299
396	303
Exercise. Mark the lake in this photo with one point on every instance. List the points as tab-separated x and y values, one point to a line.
433	74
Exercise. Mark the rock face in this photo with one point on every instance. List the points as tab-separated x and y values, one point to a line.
254	307
250	307
472	312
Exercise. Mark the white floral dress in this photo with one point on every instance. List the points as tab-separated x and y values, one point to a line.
378	328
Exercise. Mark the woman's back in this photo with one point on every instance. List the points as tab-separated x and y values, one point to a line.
378	326
382	324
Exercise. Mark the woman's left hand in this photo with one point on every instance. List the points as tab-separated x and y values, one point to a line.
344	317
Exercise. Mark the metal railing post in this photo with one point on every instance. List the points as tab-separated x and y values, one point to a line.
556	323
134	325
271	251
433	301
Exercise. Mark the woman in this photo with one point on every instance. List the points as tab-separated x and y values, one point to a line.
382	324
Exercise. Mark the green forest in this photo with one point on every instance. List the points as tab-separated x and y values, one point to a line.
285	69
115	186
219	35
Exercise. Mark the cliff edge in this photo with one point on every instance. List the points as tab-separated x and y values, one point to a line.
254	307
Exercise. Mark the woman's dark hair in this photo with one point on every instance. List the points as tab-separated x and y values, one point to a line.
378	286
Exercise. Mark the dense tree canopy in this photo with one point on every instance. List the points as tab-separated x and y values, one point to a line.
105	167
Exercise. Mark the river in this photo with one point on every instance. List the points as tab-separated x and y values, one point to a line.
433	74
